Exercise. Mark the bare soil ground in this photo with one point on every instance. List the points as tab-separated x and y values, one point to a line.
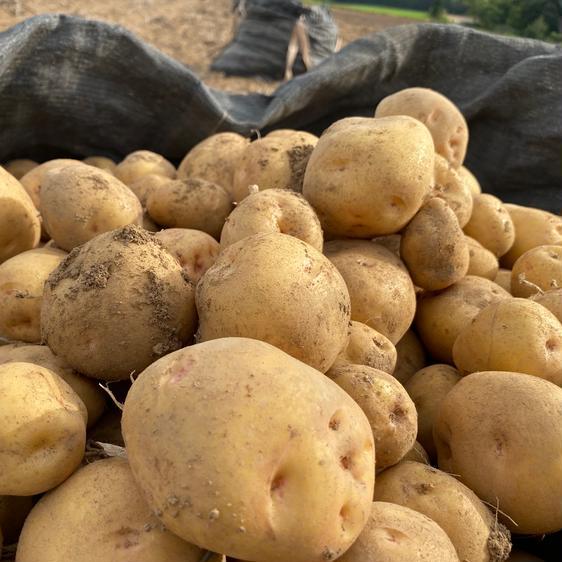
192	31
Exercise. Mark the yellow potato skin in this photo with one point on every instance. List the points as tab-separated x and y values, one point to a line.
410	357
503	279
510	422
42	429
470	180
238	480
19	167
516	335
369	177
483	263
538	269
146	185
141	163
416	454
99	514
101	162
551	300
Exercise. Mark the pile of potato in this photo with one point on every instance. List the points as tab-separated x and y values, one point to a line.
323	348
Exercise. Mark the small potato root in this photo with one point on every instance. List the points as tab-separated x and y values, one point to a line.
537	270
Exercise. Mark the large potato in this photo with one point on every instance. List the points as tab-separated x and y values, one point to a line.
533	227
195	251
101	162
410	357
501	433
427	389
398	534
87	390
21	292
538	269
470	180
382	293
368	177
552	300
473	530
440	115
389	409
273	162
434	247
191	203
516	335
19	167
42	429
281	469
20	228
116	304
483	263
141	163
98	515
491	224
441	317
273	210
278	289
13	511
146	185
78	202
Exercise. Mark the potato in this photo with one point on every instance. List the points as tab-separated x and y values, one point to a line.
278	289
427	389
381	291
303	136
491	224
453	189
483	263
389	409
273	162
390	242
552	300
79	202
470	180
416	454
469	524
42	429
195	251
214	160
193	203
146	185
516	335
20	228
102	162
498	432
87	390
439	114
398	534
273	210
141	163
99	514
434	248
503	279
367	347
533	227
13	511
18	168
410	357
116	304
21	292
369	177
441	317
250	479
537	270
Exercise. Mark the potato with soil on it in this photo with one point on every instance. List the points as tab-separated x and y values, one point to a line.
214	160
101	162
410	357
398	534
369	177
278	289
20	228
193	203
13	511
141	163
434	248
273	210
470	180
483	263
516	335
19	167
439	114
441	317
195	250
79	202
87	390
536	271
427	388
389	409
99	514
21	292
42	429
469	524
368	347
382	293
116	304
510	424
282	469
